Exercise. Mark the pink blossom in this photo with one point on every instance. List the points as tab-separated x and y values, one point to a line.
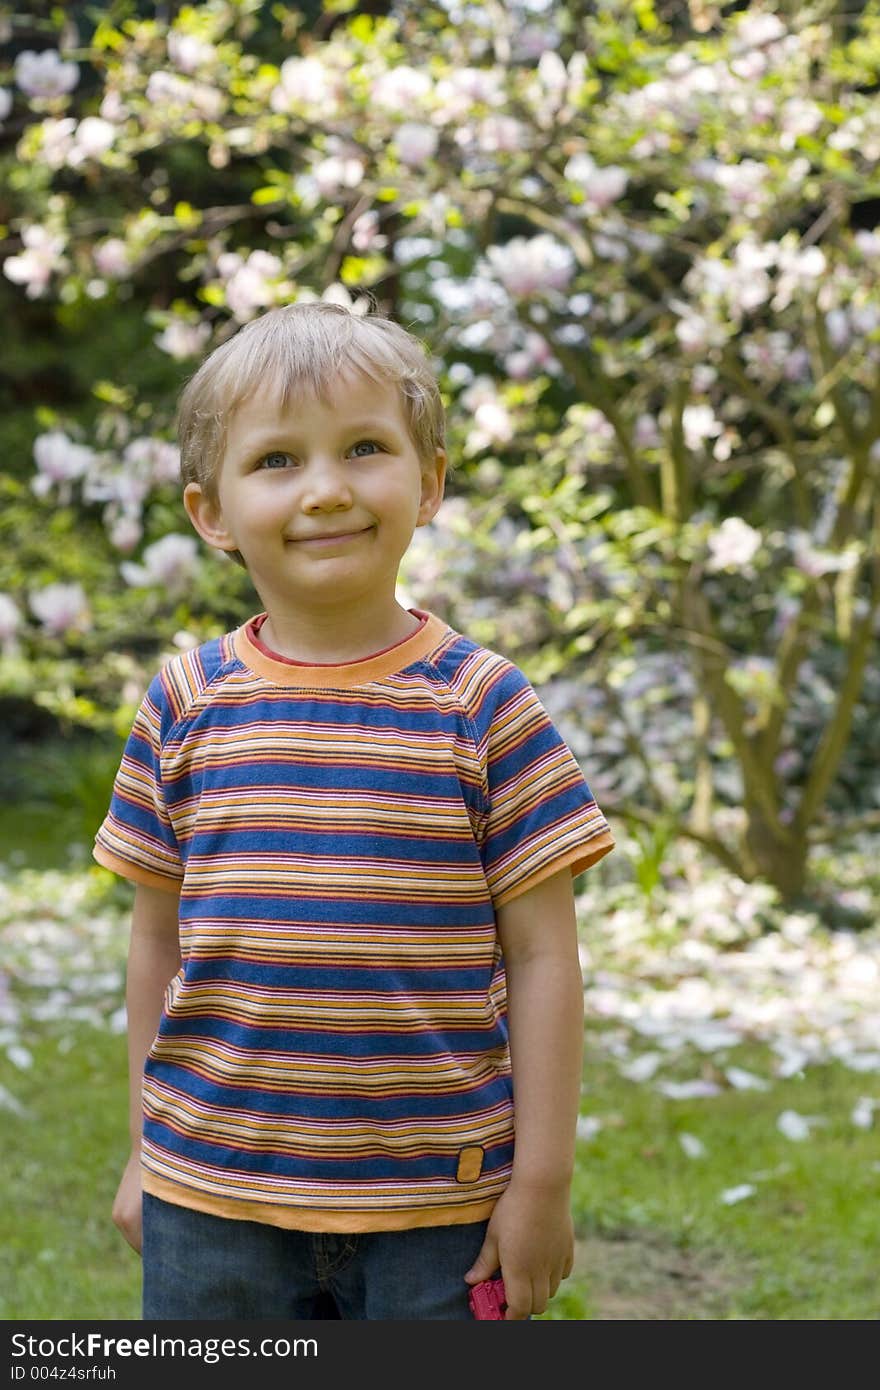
157	458
59	462
10	621
56	140
694	332
189	52
838	328
35	265
536	355
61	608
181	339
334	175
45	74
484	85
248	283
365	234
532	41
306	85
501	133
733	545
647	432
814	561
744	184
601	186
492	421
415	142
797	365
111	258
125	532
401	88
798	117
797	270
868	243
767	356
170	562
552	72
699	423
112	107
93	138
527	266
172	96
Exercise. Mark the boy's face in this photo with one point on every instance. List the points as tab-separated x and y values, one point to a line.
321	500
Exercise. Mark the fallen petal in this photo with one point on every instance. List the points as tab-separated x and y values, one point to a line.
793	1125
693	1147
642	1068
745	1080
10	1102
737	1194
863	1112
588	1126
688	1090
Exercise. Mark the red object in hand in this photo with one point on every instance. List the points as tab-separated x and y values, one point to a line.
487	1299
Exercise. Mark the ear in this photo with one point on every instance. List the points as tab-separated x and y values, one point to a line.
207	517
433	482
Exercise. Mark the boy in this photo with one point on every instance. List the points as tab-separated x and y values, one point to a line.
352	832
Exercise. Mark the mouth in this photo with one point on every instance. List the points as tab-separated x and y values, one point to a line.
332	538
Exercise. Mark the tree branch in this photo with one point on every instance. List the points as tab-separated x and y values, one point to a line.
833	743
626	812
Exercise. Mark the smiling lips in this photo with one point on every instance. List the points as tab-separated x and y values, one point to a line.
332	536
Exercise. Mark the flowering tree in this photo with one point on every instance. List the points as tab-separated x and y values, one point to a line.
646	262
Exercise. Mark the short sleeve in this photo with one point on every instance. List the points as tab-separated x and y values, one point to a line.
137	839
541	813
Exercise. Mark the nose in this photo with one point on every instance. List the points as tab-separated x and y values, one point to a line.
327	487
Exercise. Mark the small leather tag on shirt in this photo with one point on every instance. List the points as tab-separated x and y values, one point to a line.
470	1164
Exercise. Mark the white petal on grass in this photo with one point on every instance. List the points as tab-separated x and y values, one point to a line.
746	1080
793	1060
693	1147
642	1068
20	1057
714	1037
588	1126
862	1061
795	1126
10	1102
862	1114
688	1090
730	1195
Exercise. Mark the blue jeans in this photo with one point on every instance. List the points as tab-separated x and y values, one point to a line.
201	1266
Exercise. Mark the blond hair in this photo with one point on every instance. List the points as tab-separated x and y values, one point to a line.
303	349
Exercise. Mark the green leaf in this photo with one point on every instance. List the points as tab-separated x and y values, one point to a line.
261	196
106	36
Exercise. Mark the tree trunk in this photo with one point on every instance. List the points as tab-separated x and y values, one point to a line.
781	861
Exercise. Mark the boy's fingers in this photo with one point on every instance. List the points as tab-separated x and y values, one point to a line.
518	1293
486	1263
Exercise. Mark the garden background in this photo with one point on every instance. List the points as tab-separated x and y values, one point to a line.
640	241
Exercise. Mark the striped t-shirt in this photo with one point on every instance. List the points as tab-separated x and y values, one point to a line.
332	1055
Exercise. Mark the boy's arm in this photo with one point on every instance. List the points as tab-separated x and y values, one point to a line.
530	1234
153	960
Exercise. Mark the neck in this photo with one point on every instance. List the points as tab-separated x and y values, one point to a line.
335	637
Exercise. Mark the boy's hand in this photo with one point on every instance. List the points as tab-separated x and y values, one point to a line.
531	1240
127	1203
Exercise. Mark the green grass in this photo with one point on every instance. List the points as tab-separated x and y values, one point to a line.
60	1254
654	1241
804	1246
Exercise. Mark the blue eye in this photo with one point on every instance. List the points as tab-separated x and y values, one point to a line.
268	460
372	444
